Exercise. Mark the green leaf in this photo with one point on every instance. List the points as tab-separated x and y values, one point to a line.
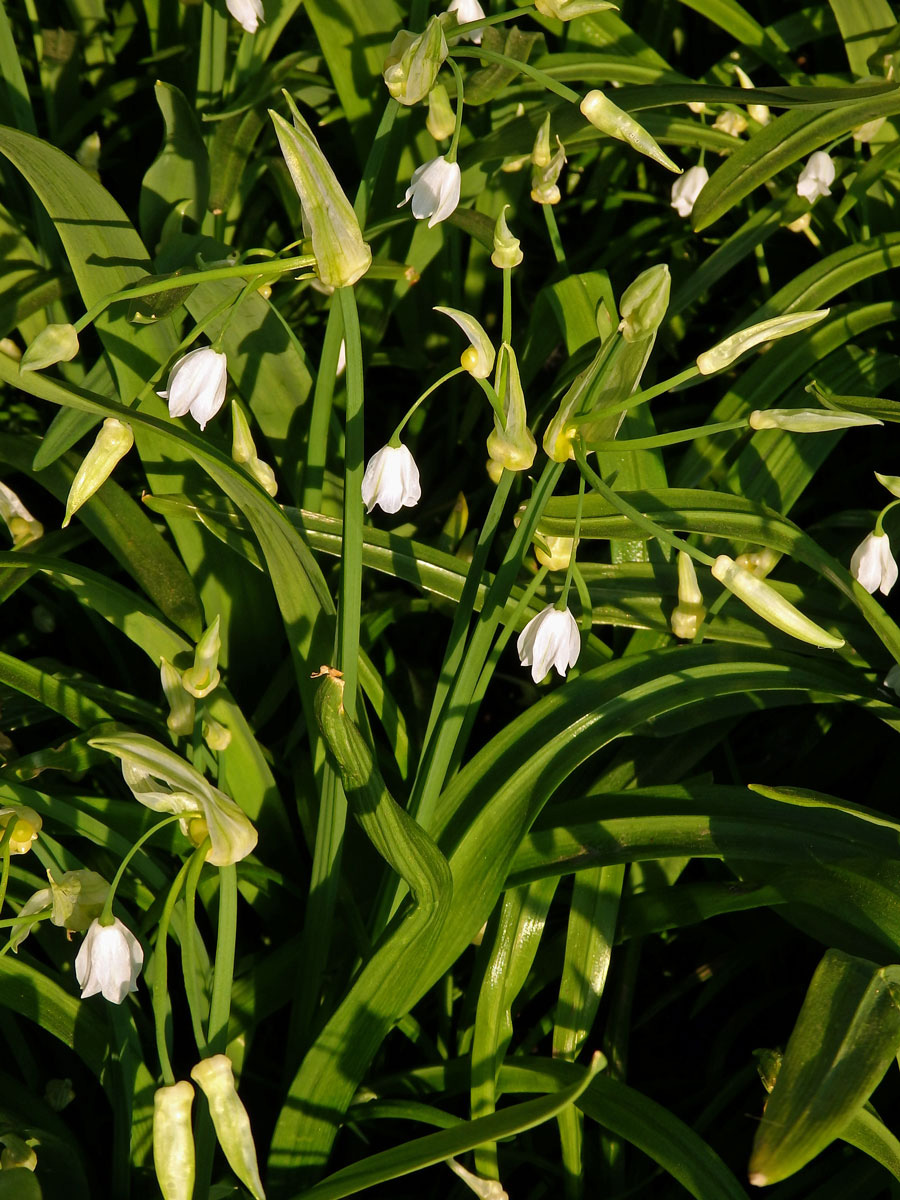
863	25
846	1036
788	138
180	174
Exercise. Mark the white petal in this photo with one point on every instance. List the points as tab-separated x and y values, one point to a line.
449	194
197	384
865	564
109	961
391	480
888	566
247	13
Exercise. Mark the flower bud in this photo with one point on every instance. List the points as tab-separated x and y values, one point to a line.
494	470
560	434
441	119
203	676
229	1117
770	605
112	443
759	112
181	703
55	343
23	527
554	553
568	10
689	613
868	131
413	62
734	123
816	177
216	736
342	256
478	359
511	444
759	562
26	826
542	153
610	119
644	303
16	1153
807	420
507	252
243	451
544	186
484	1189
724	354
173	1140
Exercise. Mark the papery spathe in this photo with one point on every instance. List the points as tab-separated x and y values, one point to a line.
551	639
466	11
816	177
391	480
109	961
687	188
873	565
434	190
248	13
197	385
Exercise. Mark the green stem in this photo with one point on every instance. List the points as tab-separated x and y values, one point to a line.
512	14
188	954
394	439
651	393
884	512
243	271
375	161
514	64
106	917
553	229
563	602
638	518
494	400
159	994
351	549
668	439
450	156
223	971
506	326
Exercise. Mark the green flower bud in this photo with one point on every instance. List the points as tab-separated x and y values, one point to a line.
560	434
243	451
173	1140
541	153
554	553
441	119
229	1117
16	1153
181	703
762	598
609	119
724	354
688	614
478	359
511	444
216	736
644	303
23	527
112	443
507	253
55	343
760	562
413	62
203	676
544	186
342	256
807	420
568	10
759	112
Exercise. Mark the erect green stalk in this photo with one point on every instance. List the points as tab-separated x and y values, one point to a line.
317	442
450	156
506	324
563	601
159	993
541	77
188	954
223	971
351	547
553	229
106	917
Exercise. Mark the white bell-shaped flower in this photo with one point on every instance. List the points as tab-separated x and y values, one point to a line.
466	11
197	385
391	480
248	13
434	190
816	177
551	639
687	188
109	961
873	565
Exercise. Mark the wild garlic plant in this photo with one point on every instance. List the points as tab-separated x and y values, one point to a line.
556	324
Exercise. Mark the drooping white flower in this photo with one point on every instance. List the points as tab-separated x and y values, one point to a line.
466	11
816	177
873	565
109	961
551	639
197	385
248	13
687	188
391	480
434	190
